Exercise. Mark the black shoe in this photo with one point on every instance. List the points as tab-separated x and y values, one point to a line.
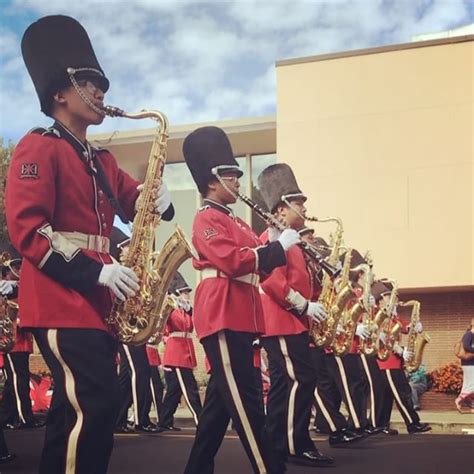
344	437
6	458
418	428
162	428
124	429
372	431
151	428
386	430
311	458
316	430
33	424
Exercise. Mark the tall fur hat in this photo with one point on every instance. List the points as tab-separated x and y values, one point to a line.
207	151
277	184
50	46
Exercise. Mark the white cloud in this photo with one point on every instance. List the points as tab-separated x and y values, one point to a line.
201	61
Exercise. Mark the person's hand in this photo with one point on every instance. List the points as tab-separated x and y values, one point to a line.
288	238
418	327
362	331
163	200
121	280
316	312
398	349
7	287
339	329
406	354
273	234
383	337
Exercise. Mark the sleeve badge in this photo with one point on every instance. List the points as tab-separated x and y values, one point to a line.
29	171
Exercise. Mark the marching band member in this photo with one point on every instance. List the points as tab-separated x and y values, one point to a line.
397	387
228	312
59	214
180	358
287	306
15	406
327	398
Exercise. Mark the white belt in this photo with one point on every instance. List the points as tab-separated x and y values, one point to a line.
180	334
249	278
98	243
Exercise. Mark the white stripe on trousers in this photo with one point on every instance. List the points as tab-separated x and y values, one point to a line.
185	393
292	398
397	396
372	393
351	408
153	396
234	391
133	382
70	386
15	388
324	411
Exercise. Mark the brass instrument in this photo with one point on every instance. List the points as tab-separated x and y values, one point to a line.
332	300
310	250
135	320
416	342
390	326
342	342
8	312
169	306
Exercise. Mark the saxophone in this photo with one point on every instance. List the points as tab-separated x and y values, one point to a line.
8	312
169	306
390	326
135	320
416	342
323	333
342	342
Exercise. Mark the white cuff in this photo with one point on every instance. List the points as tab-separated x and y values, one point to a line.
296	300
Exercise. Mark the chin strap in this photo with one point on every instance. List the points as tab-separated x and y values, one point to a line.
71	71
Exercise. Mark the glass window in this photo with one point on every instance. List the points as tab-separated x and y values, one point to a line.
178	177
258	164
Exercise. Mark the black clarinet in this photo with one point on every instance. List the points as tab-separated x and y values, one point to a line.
310	250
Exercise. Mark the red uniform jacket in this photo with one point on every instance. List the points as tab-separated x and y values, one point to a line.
153	355
49	190
279	319
395	361
179	351
228	244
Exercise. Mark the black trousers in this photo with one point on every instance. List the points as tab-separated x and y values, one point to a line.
81	420
396	389
377	390
134	381
180	382
232	393
327	397
157	390
348	374
15	406
292	384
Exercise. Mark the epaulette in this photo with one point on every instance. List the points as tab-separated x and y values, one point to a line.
50	131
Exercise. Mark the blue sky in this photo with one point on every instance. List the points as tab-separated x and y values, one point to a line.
204	61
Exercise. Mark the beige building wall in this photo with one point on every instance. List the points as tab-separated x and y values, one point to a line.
383	138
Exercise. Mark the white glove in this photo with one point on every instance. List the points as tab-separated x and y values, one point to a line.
382	337
273	234
398	349
7	287
120	279
185	304
418	327
316	312
362	331
407	355
339	329
163	199
288	238
395	311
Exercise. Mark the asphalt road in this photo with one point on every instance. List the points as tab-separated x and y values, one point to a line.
167	454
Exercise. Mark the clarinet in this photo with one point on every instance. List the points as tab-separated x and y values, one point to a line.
310	250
